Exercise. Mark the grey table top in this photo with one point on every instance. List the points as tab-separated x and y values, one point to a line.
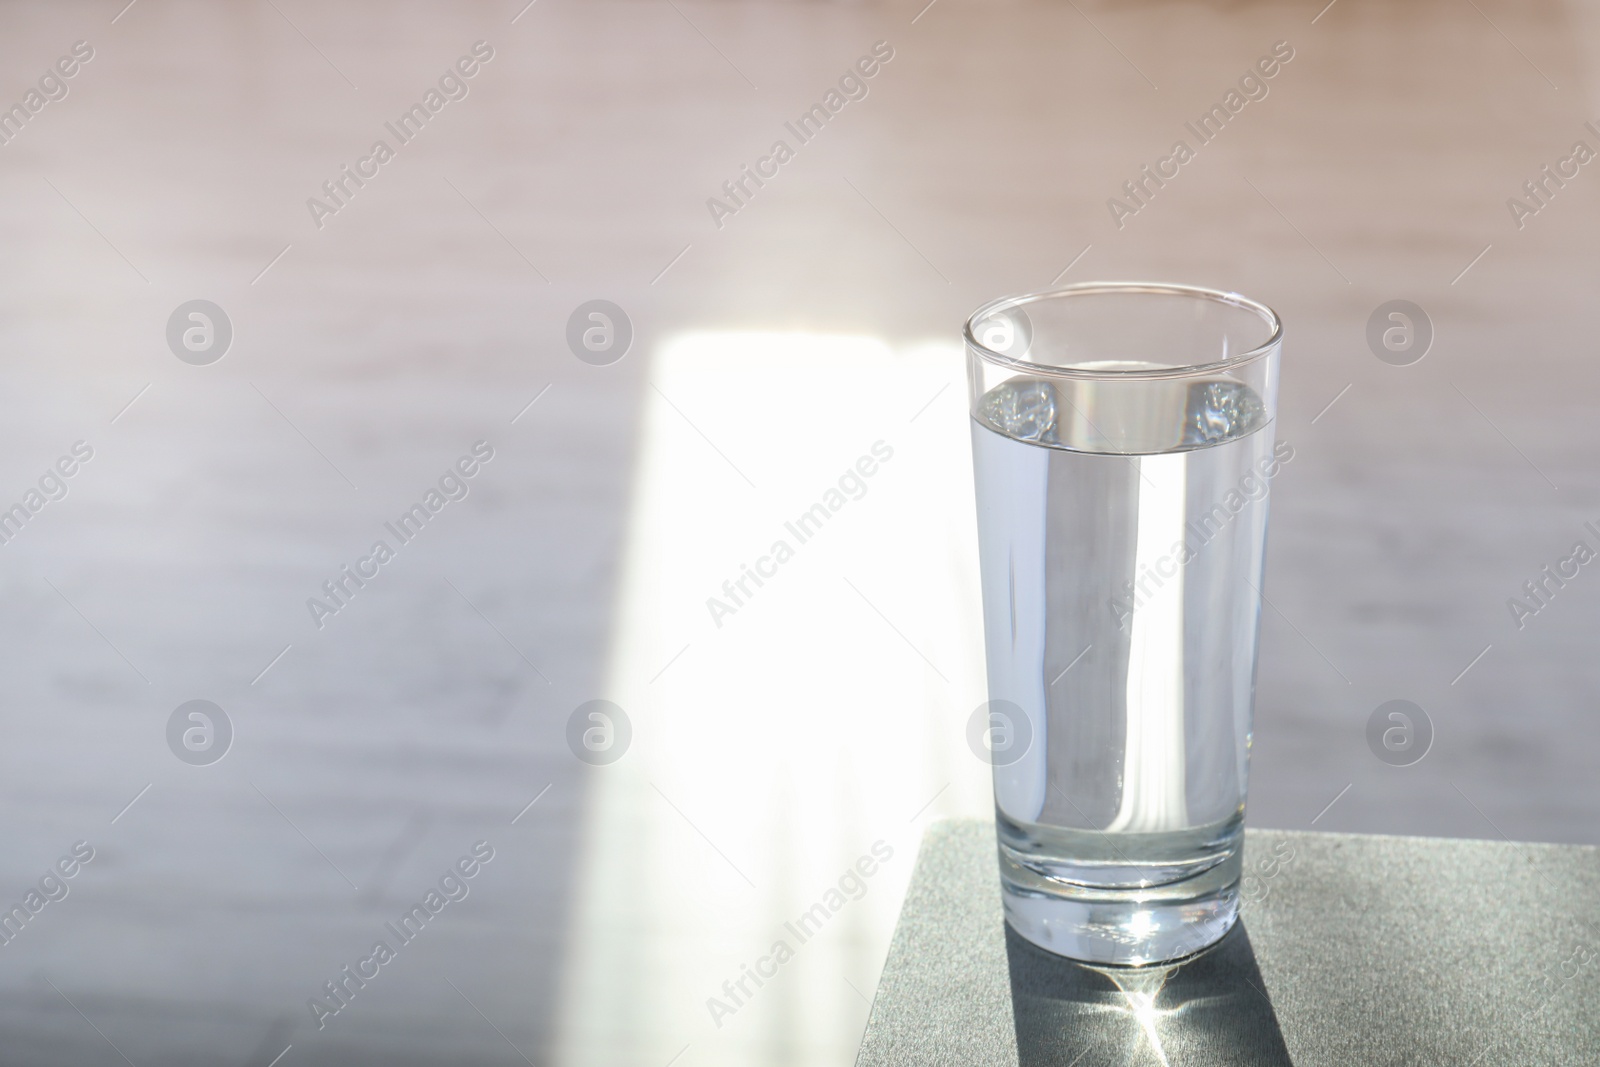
1351	949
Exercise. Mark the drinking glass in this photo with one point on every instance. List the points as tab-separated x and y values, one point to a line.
1122	441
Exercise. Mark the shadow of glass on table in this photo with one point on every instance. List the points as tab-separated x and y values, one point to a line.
1210	1009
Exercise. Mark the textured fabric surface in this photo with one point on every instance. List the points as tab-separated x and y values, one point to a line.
1351	950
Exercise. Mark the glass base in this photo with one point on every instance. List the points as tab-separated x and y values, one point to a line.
1121	899
1121	933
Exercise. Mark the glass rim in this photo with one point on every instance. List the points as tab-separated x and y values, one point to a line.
1262	311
